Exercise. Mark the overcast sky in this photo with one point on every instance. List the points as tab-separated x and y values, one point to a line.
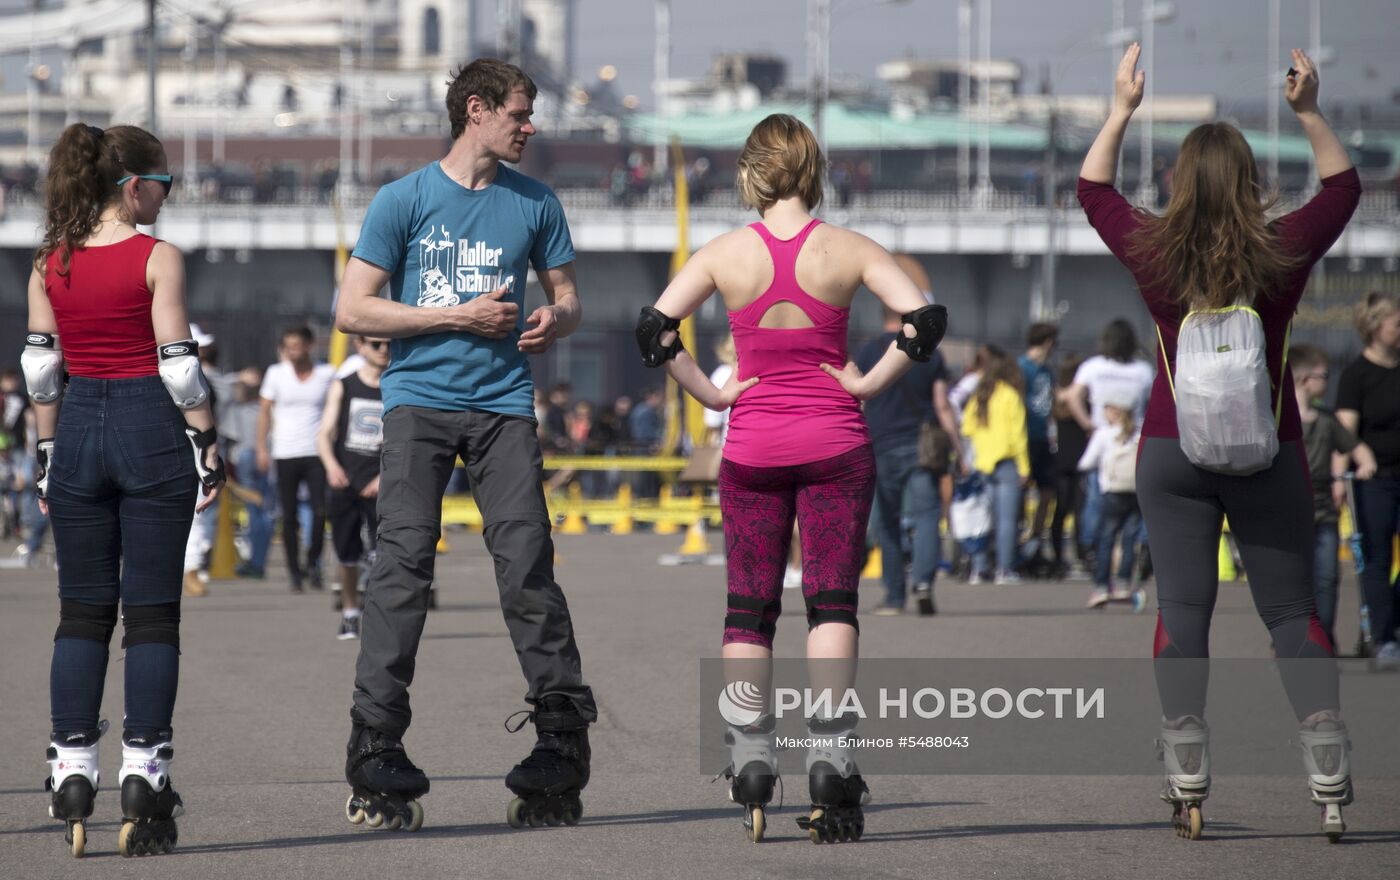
1212	46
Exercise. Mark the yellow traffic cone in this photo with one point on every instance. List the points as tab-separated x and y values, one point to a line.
873	569
224	558
663	504
1227	560
623	525
695	543
573	522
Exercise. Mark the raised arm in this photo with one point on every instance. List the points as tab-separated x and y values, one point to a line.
1301	93
1101	163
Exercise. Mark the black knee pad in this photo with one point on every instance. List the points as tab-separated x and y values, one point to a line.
845	612
151	625
749	613
79	620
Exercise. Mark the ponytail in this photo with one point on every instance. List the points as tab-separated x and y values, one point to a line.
84	167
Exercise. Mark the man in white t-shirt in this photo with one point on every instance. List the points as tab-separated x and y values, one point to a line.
293	397
1115	373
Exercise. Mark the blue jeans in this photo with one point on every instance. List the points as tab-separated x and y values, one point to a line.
260	519
1378	512
1091	510
1325	576
902	487
1118	513
121	487
1005	485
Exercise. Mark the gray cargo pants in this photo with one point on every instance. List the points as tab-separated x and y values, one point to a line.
502	455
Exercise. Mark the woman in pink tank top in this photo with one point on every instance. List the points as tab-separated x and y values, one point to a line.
797	446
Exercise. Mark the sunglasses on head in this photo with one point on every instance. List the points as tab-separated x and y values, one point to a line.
165	180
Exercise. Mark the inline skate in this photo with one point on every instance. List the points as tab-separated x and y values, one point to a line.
834	782
150	805
752	771
547	783
385	785
73	779
1327	757
1185	749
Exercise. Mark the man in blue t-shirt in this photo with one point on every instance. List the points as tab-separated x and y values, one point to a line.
454	243
1040	399
895	417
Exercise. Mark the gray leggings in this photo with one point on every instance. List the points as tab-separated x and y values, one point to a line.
1271	518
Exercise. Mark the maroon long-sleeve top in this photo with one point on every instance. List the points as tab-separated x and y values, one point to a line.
1308	232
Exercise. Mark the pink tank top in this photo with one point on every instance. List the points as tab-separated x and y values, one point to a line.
796	413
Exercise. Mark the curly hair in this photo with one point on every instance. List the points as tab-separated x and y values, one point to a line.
84	167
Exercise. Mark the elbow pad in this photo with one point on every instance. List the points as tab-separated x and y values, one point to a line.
651	326
179	370
929	323
42	363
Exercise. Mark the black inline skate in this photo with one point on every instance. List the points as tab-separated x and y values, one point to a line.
150	805
547	783
837	790
752	771
385	785
73	779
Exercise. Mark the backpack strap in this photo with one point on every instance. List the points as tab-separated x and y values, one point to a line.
1166	362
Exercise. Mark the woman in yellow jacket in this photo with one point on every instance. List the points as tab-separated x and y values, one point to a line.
994	421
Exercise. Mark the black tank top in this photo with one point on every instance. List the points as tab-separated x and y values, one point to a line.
359	431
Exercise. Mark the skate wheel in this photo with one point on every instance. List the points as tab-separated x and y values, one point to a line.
79	841
757	824
553	819
1188	822
395	823
374	820
514	812
815	828
124	843
415	817
572	813
354	814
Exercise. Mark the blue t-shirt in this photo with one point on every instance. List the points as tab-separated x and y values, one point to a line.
444	245
1040	398
894	415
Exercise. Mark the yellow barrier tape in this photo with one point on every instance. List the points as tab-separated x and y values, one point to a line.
674	463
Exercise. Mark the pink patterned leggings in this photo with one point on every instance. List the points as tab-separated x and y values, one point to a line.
831	502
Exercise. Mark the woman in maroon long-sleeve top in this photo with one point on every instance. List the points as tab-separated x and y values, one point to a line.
1214	248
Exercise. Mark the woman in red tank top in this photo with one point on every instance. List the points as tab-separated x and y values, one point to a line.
126	440
797	446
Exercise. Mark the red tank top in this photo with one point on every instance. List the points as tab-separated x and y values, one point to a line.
103	309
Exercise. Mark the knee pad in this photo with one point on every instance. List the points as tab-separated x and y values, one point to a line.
845	602
79	620
749	613
151	625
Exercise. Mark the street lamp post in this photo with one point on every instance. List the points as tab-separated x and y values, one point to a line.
1272	78
983	193
818	63
1152	12
658	89
964	98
